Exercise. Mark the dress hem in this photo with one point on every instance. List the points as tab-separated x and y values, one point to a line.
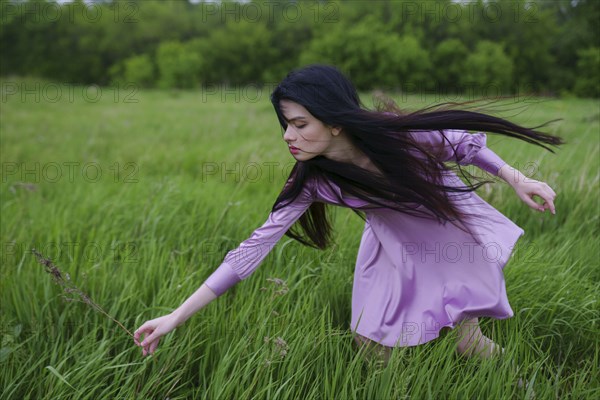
436	335
451	324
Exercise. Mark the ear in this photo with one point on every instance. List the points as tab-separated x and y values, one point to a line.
336	130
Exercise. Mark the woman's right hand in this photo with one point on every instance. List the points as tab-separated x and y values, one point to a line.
153	330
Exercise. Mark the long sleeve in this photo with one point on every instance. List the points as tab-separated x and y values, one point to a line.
241	262
470	148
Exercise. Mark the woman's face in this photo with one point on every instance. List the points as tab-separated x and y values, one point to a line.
306	133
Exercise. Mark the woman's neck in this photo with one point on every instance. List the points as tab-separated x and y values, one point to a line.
348	153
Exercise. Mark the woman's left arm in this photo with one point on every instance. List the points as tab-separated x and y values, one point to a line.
471	149
526	188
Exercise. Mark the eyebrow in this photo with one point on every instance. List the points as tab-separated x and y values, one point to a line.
295	118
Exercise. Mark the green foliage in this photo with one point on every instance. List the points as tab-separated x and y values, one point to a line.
588	73
139	70
179	65
238	53
576	29
413	64
371	55
260	41
449	56
488	69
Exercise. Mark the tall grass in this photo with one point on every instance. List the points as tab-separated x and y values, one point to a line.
143	236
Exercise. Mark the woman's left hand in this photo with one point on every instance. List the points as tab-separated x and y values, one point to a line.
527	188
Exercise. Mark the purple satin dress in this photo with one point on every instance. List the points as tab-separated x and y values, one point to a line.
413	276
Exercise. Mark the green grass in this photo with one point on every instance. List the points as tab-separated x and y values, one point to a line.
143	236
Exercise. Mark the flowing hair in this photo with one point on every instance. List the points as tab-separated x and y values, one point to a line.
412	175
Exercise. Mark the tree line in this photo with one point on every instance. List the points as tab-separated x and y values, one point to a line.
504	46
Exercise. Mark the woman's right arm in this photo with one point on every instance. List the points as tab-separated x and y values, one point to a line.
154	329
194	303
238	264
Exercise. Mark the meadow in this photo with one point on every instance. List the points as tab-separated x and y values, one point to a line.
139	194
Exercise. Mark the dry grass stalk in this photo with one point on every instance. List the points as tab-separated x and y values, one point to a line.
278	283
280	348
72	291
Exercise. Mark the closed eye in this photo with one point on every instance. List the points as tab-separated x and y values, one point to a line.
301	126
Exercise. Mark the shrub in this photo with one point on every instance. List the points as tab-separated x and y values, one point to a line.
449	63
488	69
179	66
587	83
371	55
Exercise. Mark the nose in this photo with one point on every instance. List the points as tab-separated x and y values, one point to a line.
288	136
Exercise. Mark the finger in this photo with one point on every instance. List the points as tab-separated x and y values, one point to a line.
146	349
549	189
550	205
153	346
136	336
150	338
548	198
138	340
137	333
142	329
146	334
146	341
531	203
547	202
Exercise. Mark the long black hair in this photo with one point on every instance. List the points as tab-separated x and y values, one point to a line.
381	135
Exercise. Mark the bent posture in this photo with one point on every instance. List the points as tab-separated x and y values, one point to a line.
432	252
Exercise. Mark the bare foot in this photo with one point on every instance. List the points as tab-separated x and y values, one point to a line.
473	343
373	349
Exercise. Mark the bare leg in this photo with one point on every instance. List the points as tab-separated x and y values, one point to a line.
373	349
472	342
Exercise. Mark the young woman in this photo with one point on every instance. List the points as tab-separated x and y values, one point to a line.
432	251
